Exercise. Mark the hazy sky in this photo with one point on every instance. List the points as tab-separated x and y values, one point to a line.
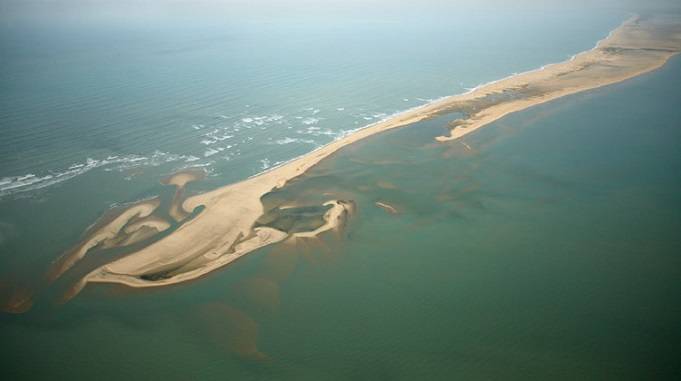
14	11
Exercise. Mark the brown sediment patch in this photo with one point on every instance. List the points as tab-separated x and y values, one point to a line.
103	233
260	293
456	195
462	149
386	162
225	229
15	299
376	162
387	207
313	246
316	251
232	329
385	184
72	291
471	188
281	262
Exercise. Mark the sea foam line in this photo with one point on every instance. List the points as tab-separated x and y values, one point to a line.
30	182
16	184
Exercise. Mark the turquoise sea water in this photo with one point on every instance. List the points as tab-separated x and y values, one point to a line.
549	249
244	94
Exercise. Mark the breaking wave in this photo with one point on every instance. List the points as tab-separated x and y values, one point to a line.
31	181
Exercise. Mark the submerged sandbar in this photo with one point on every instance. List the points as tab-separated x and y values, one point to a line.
226	230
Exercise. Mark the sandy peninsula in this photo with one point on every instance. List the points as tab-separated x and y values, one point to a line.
387	207
225	229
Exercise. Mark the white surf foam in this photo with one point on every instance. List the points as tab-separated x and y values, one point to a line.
288	140
310	121
210	152
265	163
31	181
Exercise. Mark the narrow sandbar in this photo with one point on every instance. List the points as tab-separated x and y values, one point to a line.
225	230
387	207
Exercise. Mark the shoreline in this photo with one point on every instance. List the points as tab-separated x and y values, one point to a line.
224	232
440	102
498	112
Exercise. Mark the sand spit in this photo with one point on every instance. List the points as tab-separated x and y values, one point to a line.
232	330
225	230
638	46
334	218
387	207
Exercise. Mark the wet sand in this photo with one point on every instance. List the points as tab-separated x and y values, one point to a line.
115	232
161	264
180	181
224	231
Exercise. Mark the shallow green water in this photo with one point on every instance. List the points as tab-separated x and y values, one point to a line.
549	249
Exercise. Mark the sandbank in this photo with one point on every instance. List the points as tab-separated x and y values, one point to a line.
387	207
224	230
